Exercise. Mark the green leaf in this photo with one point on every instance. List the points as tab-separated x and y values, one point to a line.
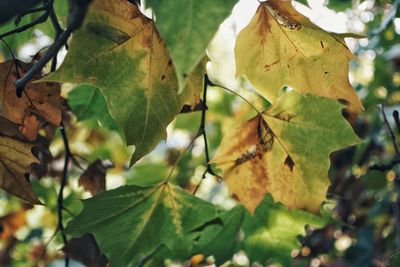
271	233
222	241
130	223
119	51
285	152
394	260
187	26
88	103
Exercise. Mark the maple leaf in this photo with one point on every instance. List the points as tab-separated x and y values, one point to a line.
220	240
131	223
13	221
119	51
271	234
281	47
188	34
15	160
285	151
42	99
85	250
93	179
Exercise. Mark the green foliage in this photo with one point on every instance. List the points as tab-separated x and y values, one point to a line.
188	34
131	223
299	186
272	232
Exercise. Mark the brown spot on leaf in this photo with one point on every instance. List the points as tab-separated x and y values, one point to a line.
289	162
235	197
322	44
162	77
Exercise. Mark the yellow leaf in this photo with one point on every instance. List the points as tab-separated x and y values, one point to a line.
15	160
42	99
285	152
281	47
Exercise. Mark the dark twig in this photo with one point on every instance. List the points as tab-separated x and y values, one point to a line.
46	7
392	136
202	131
396	120
28	11
78	9
64	178
396	158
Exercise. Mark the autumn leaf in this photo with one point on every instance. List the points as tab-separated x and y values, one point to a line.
272	232
15	160
42	99
119	51
285	152
93	179
188	34
85	250
13	221
131	223
281	47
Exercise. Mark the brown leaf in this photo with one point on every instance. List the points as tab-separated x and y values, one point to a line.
94	178
10	129
30	127
13	221
42	99
85	250
15	161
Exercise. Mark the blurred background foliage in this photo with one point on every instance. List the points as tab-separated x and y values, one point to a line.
365	203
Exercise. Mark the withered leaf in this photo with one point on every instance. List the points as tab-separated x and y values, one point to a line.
285	152
15	161
42	99
85	250
94	177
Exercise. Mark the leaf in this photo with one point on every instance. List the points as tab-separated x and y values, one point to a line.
15	160
285	152
271	233
188	34
87	103
131	223
93	179
13	221
394	260
42	99
120	51
85	250
281	47
221	241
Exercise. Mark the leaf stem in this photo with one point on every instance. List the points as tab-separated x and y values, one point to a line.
237	94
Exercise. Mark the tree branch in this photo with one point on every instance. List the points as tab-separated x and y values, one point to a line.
60	197
77	12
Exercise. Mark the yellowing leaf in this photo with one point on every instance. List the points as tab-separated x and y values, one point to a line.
285	152
13	221
42	99
281	47
119	51
15	160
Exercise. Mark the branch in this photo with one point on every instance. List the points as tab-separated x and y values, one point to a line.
60	197
77	12
11	8
202	131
